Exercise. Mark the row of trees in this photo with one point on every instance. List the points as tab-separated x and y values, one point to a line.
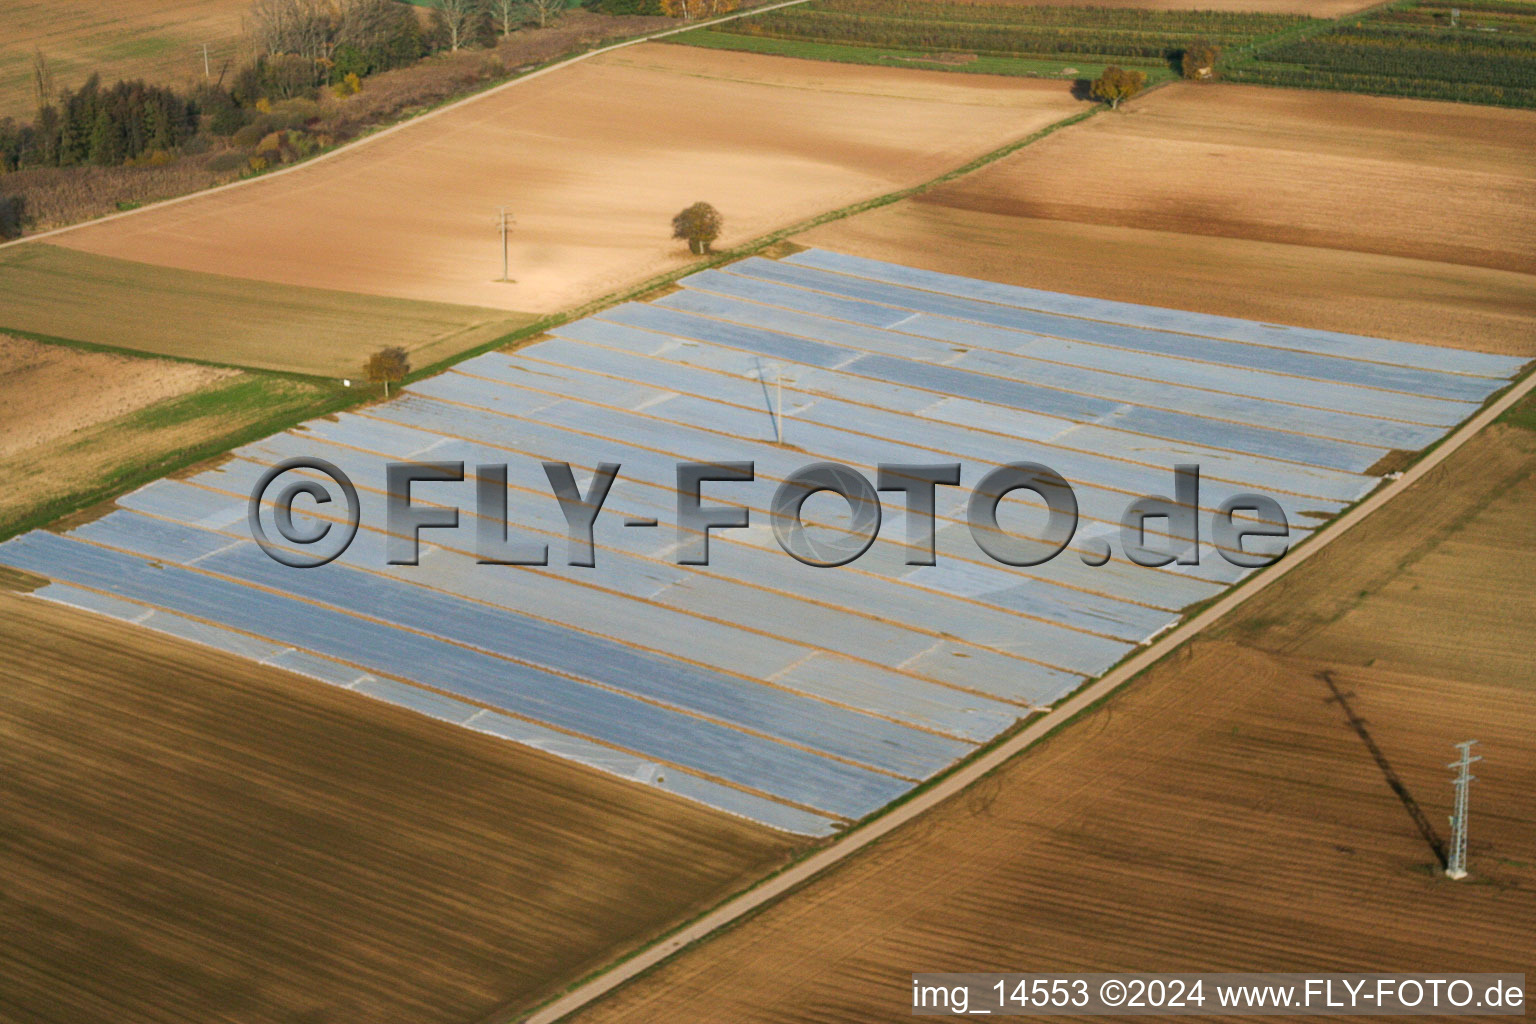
305	43
464	21
91	125
1409	55
302	45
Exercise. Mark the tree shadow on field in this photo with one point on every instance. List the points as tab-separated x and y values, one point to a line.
1420	819
1082	89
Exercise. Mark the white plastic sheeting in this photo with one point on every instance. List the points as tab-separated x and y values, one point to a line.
795	696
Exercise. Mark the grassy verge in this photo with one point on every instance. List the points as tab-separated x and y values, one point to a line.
1522	414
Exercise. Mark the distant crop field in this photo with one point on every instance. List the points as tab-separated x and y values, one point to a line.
1482	51
159	40
59	293
1405	219
993	38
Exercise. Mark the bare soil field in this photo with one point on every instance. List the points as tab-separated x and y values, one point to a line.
79	426
593	162
1332	289
1448	182
1224	811
1332	211
186	835
52	391
62	293
159	40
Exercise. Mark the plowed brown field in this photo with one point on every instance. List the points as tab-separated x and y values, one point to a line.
593	162
1220	812
1407	218
189	836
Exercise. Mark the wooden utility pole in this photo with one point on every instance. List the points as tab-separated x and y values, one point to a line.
506	230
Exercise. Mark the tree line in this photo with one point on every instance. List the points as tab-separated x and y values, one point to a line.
105	127
301	46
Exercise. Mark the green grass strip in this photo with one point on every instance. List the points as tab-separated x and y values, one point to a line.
983	64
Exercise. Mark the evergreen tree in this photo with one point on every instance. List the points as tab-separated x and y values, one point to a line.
157	126
106	140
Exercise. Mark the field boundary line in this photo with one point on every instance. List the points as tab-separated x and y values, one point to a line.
406	123
985	763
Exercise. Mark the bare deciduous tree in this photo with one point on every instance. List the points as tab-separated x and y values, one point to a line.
42	79
690	9
366	24
300	27
508	14
545	11
458	18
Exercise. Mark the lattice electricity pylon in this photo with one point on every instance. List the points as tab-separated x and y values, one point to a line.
1456	865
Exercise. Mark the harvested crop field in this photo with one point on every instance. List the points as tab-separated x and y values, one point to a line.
1404	218
1220	812
593	162
61	293
191	836
158	40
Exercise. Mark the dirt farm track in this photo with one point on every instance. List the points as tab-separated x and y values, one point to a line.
592	162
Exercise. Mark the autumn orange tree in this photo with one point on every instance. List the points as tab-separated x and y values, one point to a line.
699	225
1199	61
388	365
1117	84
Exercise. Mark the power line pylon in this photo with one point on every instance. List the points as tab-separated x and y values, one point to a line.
1456	864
